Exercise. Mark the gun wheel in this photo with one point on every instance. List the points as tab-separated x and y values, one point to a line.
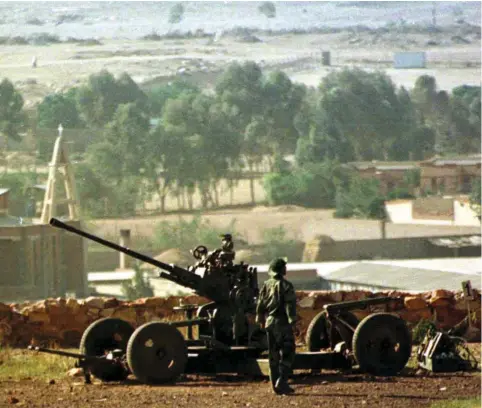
382	344
318	332
99	338
156	353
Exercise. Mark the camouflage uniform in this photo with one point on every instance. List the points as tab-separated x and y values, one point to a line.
277	300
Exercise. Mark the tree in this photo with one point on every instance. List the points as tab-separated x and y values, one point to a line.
282	102
362	108
12	116
268	9
176	13
158	96
100	98
58	109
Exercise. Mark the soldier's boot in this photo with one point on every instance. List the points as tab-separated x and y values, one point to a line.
282	387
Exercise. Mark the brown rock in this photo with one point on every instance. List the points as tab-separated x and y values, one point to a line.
94	302
107	312
111	303
154	302
307	302
5	330
93	311
441	302
414	303
4	308
42	317
442	294
72	304
355	295
126	313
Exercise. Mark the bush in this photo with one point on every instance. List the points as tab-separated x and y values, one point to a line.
18	184
139	287
423	328
276	244
361	199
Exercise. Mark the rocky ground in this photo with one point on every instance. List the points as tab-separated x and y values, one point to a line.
329	389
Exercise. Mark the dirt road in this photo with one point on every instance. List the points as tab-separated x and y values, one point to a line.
327	390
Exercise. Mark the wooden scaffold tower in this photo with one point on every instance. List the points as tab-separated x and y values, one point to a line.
60	170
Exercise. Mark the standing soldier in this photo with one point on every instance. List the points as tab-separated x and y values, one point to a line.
277	300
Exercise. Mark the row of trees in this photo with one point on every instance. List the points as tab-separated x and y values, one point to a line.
201	137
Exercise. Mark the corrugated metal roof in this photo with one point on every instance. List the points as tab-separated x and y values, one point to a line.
399	277
4	190
383	165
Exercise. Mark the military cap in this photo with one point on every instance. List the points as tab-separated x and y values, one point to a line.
226	236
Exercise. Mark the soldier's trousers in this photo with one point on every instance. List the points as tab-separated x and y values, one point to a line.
281	348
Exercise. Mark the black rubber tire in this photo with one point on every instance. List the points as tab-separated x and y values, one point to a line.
318	332
104	335
382	344
156	353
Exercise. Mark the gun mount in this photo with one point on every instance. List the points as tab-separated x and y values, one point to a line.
227	340
232	288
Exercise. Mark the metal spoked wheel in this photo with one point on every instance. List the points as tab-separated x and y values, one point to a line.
382	344
318	332
101	337
156	353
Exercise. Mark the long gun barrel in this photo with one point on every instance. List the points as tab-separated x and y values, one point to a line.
176	274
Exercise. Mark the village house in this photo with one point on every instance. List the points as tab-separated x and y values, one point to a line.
389	174
438	175
453	175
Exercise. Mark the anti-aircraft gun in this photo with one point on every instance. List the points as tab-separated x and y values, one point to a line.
227	339
232	289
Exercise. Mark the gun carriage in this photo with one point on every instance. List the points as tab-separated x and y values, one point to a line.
227	340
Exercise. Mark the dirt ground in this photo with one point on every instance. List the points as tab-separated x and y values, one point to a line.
328	389
61	66
301	224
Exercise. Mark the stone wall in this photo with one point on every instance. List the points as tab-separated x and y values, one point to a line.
62	321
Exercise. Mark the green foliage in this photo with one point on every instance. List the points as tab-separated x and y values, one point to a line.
475	199
99	99
12	116
276	243
159	95
458	403
58	109
363	108
281	188
361	199
313	185
268	9
19	197
187	234
176	13
424	327
139	287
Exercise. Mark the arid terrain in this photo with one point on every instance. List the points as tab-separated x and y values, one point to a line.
327	389
453	57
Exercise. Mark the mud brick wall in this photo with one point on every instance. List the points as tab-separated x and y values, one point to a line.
62	321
